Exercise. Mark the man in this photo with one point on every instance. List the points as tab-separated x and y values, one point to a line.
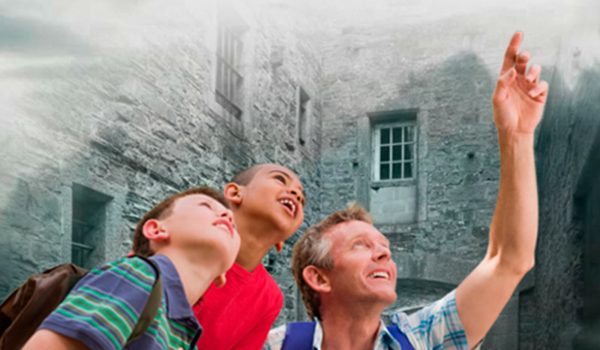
344	269
267	201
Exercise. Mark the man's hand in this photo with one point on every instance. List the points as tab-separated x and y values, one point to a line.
519	97
518	106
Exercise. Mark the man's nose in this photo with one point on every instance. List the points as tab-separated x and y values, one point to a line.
382	253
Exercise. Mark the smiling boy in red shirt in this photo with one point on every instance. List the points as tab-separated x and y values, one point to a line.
268	205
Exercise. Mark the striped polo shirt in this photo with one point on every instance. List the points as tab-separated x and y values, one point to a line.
103	308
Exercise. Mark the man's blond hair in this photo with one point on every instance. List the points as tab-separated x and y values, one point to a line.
314	249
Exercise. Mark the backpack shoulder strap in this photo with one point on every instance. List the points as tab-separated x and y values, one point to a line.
299	336
152	304
400	337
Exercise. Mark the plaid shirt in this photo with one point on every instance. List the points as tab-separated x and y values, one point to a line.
434	327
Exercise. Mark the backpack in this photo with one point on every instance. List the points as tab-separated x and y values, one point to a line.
299	336
27	306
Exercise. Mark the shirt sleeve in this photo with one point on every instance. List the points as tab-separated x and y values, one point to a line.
275	338
103	308
436	326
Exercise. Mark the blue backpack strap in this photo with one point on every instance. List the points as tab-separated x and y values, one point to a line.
299	336
400	337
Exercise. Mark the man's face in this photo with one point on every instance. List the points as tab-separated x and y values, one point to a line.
363	268
200	222
276	194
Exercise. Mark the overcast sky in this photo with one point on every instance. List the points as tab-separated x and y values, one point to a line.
41	32
52	27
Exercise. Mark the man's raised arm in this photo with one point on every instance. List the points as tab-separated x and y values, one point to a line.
518	102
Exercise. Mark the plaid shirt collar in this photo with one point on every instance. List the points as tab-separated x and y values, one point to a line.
384	340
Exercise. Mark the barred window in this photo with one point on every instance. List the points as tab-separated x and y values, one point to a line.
303	115
394	151
88	226
80	251
229	80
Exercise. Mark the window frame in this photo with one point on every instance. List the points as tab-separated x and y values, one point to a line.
88	225
229	80
303	115
376	154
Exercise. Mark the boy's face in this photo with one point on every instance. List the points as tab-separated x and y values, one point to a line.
275	194
201	223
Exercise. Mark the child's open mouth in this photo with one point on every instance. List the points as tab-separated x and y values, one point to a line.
289	205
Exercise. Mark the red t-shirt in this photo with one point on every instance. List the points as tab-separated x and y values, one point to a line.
239	314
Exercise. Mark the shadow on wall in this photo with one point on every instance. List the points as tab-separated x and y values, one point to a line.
458	162
568	145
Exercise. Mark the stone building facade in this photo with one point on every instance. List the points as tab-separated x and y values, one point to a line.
95	135
561	310
386	104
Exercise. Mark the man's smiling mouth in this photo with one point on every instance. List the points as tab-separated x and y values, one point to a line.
379	275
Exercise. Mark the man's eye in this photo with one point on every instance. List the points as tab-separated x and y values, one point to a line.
204	204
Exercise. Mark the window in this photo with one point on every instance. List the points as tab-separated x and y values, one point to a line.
229	81
394	151
393	190
88	226
303	106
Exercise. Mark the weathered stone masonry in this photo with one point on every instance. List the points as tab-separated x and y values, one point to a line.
123	110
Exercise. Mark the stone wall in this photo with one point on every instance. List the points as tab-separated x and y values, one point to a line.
440	64
130	113
443	69
568	144
120	99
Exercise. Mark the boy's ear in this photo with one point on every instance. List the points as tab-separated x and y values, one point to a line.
316	279
279	246
154	231
233	193
220	280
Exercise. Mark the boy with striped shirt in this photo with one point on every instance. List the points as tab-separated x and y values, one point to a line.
194	241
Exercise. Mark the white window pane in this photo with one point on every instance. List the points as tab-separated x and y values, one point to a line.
397	152
397	135
408	170
409	134
384	171
408	152
397	171
385	136
384	154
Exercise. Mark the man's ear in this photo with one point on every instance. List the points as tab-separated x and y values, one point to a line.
154	230
233	193
220	280
316	279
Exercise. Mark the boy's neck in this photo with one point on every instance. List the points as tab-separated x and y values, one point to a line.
194	273
257	238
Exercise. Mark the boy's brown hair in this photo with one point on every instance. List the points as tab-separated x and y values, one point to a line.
141	245
314	249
